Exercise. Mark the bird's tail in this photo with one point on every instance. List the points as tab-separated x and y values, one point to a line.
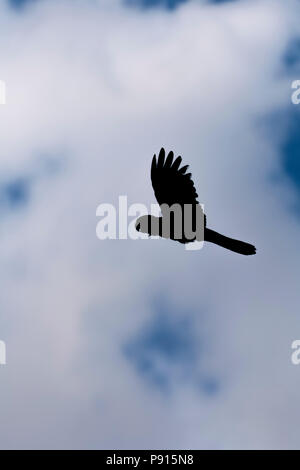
229	243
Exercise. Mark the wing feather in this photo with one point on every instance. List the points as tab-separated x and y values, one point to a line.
177	163
183	169
161	158
169	160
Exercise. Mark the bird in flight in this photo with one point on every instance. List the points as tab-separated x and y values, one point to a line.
174	189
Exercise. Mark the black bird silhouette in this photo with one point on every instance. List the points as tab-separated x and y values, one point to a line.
172	185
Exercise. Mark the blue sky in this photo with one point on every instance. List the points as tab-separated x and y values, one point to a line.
291	150
108	333
291	57
144	3
168	3
291	145
172	341
19	3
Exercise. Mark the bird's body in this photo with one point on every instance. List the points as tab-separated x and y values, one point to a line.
182	215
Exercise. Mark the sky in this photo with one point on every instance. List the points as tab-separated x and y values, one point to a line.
124	344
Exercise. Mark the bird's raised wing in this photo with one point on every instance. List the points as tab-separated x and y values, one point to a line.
171	184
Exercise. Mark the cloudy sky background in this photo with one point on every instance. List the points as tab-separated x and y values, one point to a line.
142	344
